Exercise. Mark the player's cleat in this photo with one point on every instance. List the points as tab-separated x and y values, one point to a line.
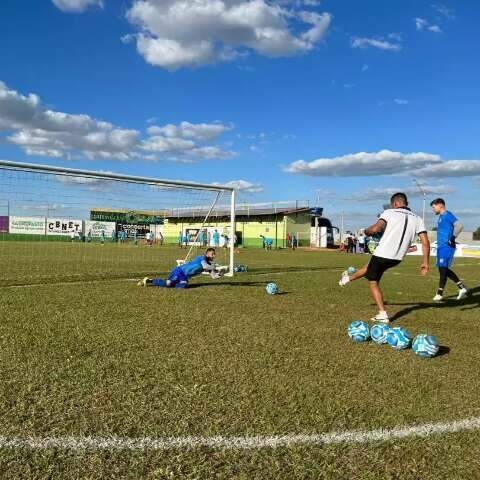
144	282
381	317
463	293
438	298
345	279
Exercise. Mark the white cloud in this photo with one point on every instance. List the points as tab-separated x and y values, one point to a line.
174	34
384	193
76	6
201	131
349	85
44	132
401	101
384	162
444	11
380	43
451	168
364	68
422	24
243	186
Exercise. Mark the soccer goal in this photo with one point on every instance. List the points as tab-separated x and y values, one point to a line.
61	224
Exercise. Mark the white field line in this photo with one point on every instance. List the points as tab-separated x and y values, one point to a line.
239	443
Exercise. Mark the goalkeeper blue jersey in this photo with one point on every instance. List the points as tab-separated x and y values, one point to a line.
195	267
445	228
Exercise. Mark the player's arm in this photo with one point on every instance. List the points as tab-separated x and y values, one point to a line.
457	230
379	227
426	253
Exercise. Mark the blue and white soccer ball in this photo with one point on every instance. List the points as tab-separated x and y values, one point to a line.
425	346
399	338
351	270
359	331
379	333
272	288
240	268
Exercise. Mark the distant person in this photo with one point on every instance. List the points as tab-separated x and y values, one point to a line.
216	238
114	236
294	242
89	235
350	244
400	227
289	241
361	243
160	238
185	240
102	237
180	239
122	236
72	236
448	228
135	237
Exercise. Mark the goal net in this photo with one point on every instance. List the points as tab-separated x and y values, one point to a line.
63	225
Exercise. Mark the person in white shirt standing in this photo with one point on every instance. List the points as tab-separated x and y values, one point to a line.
400	227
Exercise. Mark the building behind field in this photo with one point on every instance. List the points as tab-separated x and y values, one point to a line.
278	221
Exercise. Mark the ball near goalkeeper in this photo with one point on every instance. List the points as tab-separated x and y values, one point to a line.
181	275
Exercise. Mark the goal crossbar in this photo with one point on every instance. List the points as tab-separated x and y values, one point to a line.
49	169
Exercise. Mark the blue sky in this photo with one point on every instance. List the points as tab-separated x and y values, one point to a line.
343	100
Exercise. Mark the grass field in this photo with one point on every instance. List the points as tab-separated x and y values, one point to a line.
101	357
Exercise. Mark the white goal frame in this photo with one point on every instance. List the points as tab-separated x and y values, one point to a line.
73	172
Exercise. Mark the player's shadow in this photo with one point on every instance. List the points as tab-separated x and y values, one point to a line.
469	303
223	284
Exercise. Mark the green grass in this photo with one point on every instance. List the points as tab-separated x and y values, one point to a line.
108	358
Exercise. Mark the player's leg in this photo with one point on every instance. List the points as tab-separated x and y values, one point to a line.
441	283
346	278
462	289
377	295
376	268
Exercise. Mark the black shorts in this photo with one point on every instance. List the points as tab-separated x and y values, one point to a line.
378	266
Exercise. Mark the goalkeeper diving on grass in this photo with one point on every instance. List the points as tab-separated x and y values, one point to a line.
181	275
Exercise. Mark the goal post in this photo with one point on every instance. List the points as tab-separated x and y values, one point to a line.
63	224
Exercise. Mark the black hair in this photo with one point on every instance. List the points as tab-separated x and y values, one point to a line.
399	197
210	249
437	201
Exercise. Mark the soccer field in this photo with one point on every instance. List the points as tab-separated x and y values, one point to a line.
103	379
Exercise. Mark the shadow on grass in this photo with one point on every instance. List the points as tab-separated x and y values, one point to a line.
229	284
443	350
469	303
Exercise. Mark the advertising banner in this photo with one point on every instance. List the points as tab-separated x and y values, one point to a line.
94	229
3	224
27	225
61	226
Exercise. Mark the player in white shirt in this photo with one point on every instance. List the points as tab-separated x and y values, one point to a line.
400	227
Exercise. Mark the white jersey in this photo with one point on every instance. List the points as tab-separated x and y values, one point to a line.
402	228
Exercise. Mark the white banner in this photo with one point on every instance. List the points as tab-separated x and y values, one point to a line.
27	225
62	226
95	228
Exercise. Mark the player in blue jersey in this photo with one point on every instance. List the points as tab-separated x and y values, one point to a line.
448	228
182	274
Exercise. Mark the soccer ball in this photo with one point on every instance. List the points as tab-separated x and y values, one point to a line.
240	268
358	331
399	338
425	346
351	270
379	333
272	288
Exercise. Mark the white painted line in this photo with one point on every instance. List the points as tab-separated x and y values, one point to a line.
239	443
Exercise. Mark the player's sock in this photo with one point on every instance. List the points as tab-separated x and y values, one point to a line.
440	292
158	282
461	285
